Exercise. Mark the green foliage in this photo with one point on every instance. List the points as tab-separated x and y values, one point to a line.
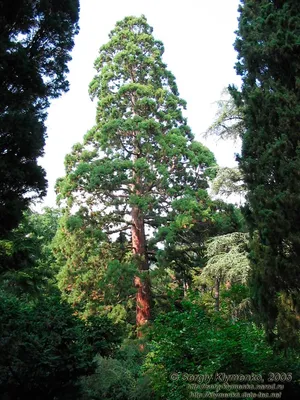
120	377
227	257
184	250
112	380
268	62
188	341
95	274
26	257
45	348
36	38
117	378
140	167
228	125
227	219
229	122
141	152
228	181
227	266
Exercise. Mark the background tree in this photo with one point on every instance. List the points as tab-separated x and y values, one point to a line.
27	263
139	168
228	125
184	250
229	122
229	181
227	262
35	42
268	62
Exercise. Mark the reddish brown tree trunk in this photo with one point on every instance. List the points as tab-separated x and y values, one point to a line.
142	282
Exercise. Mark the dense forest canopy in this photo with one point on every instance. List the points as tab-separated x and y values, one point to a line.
142	281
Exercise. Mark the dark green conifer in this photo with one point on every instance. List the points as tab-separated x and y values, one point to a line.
268	46
36	37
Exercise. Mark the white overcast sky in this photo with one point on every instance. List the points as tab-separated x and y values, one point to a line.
198	37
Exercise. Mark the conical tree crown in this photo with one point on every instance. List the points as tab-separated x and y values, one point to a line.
141	152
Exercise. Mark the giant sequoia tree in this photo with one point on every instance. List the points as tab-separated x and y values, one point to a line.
268	44
139	170
36	37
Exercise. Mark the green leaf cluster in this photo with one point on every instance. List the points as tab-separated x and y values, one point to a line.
190	342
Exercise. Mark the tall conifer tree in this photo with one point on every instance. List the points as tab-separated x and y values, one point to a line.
268	45
139	170
36	37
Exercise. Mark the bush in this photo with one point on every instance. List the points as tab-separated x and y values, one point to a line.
45	348
192	342
118	378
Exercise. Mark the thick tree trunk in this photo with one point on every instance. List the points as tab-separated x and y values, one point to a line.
142	282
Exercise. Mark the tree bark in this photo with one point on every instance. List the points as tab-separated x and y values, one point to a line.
186	286
228	285
139	246
217	294
142	282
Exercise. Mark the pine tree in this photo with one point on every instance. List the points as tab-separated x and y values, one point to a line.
139	170
267	42
36	38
